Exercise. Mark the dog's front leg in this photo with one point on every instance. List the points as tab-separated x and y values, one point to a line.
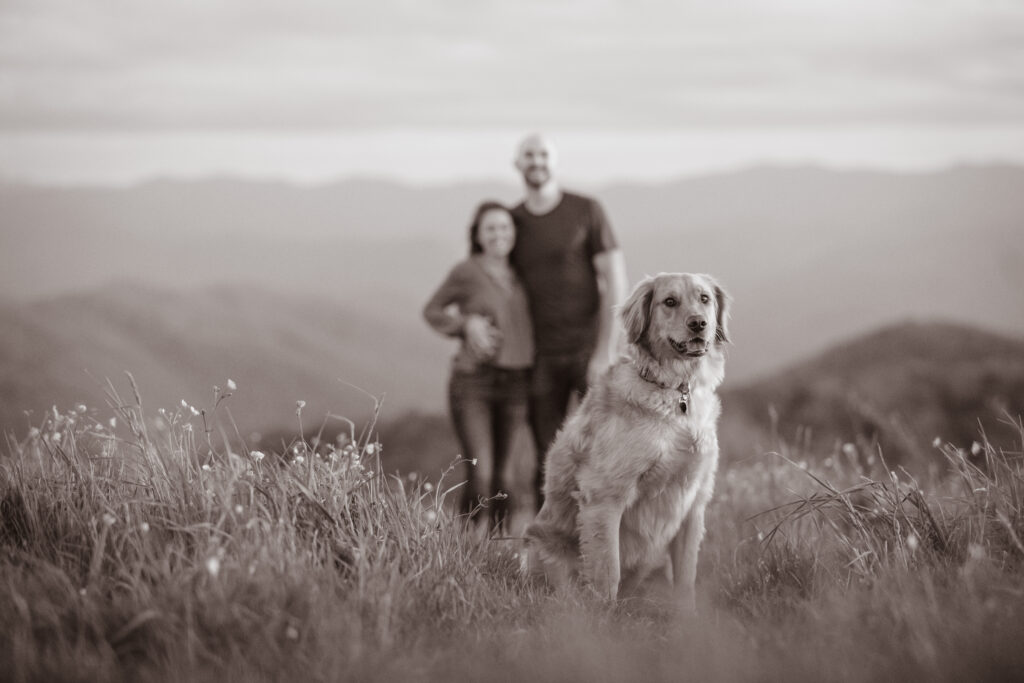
599	544
684	549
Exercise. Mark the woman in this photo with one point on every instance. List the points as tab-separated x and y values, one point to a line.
483	302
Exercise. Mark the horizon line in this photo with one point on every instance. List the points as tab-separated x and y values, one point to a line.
11	180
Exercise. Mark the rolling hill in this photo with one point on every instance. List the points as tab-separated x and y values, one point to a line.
899	387
178	344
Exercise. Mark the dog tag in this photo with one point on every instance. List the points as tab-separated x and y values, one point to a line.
684	396
682	404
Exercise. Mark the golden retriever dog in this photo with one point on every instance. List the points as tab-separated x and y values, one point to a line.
630	473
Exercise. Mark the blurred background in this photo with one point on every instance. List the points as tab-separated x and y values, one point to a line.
269	192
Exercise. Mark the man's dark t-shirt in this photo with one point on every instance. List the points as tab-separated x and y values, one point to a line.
554	255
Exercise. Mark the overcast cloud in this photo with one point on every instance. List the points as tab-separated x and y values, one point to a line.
232	64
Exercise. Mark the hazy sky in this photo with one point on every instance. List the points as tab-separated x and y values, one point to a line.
428	89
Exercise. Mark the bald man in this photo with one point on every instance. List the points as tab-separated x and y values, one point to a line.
575	278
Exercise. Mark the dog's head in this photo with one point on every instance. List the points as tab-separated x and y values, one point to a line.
677	315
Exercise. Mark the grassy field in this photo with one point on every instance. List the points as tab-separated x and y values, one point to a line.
156	546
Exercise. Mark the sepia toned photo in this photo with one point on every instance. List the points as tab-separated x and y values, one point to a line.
533	341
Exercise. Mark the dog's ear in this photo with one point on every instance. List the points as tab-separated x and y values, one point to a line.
722	301
636	312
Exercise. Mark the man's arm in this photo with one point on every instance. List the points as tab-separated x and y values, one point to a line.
612	283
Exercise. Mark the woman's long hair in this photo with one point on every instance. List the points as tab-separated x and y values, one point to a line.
474	227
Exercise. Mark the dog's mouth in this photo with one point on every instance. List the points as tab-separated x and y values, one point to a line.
695	346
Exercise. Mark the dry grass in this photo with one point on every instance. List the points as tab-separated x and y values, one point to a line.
164	549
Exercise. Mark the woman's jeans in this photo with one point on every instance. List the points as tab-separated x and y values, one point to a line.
488	405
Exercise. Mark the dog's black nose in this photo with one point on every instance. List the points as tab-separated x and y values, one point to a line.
696	323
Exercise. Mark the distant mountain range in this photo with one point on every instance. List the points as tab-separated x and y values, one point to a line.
287	289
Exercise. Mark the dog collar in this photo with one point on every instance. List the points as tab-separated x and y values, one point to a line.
683	388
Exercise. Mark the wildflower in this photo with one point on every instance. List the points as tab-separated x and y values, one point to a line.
231	384
431	516
473	462
299	405
81	408
238	509
109	519
112	422
976	448
207	468
371	448
291	633
187	427
760	536
193	409
849	450
213	566
912	542
299	459
257	455
892	475
936	442
184	403
428	487
976	551
144	527
33	433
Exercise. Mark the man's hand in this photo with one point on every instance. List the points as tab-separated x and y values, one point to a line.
599	362
482	338
612	283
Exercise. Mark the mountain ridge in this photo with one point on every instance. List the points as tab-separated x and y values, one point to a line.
810	257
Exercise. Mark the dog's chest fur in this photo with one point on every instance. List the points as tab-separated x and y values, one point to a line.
672	459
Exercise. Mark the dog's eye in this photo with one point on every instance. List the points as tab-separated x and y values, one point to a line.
671	302
704	298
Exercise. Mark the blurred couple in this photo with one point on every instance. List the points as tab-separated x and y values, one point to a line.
534	307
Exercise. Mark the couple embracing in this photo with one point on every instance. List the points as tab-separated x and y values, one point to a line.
534	306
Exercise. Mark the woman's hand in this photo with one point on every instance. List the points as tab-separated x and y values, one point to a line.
482	337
